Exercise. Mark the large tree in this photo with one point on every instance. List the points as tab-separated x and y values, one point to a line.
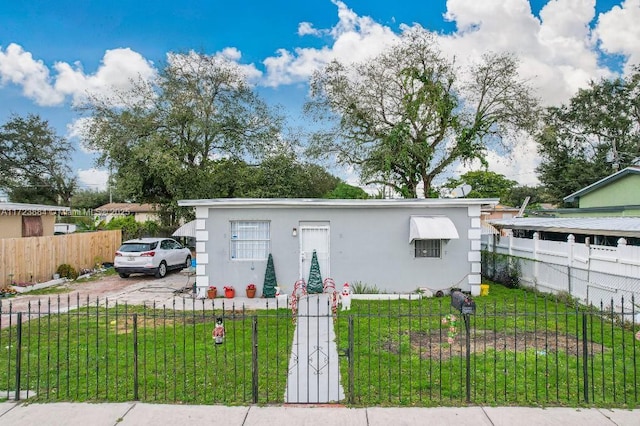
163	138
483	183
283	176
403	117
597	133
34	162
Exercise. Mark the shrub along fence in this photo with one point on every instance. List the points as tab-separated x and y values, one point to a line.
526	350
36	259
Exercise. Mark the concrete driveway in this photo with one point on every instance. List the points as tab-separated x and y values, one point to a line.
174	291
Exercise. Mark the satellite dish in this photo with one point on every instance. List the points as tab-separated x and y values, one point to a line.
461	191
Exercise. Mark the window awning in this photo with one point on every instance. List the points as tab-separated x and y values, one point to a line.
432	228
186	230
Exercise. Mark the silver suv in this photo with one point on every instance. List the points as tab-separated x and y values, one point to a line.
151	256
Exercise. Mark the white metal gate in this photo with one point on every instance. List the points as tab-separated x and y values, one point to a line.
314	238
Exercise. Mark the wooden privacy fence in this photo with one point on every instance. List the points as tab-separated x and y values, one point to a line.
36	259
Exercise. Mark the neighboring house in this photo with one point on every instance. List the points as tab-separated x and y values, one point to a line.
615	195
65	228
496	212
28	220
499	212
397	246
140	212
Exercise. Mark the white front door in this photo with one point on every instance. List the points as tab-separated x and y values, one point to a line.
312	238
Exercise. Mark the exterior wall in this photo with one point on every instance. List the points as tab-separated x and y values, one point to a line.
139	217
369	245
11	225
624	191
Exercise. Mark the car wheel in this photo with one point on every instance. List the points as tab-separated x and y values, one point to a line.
162	270
187	263
123	275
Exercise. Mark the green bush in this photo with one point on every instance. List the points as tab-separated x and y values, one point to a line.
67	271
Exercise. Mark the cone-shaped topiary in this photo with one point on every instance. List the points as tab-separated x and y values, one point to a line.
270	282
314	285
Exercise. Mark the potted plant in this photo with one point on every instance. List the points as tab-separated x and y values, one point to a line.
229	292
251	291
212	292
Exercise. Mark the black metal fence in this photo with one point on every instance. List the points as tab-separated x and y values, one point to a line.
526	350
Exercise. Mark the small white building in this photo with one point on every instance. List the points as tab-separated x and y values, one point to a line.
396	245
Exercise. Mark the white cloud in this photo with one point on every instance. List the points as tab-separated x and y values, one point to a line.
520	165
118	69
556	51
618	31
355	38
95	179
19	67
306	28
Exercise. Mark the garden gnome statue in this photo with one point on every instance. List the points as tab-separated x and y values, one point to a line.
218	331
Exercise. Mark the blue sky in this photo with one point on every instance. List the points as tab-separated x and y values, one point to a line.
53	53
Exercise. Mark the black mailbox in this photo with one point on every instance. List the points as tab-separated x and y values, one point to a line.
463	303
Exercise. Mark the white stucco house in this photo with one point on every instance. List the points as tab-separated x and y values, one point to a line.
396	245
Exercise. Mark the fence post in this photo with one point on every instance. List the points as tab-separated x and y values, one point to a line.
585	358
571	241
351	360
468	357
135	357
18	354
254	358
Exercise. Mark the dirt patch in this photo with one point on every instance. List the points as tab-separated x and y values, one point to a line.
126	326
434	345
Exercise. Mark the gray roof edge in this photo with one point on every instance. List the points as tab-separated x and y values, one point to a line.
617	175
621	225
25	207
326	202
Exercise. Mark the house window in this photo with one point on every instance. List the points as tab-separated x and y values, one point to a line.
427	248
250	240
32	226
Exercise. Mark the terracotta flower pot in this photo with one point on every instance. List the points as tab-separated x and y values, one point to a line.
212	292
229	293
251	293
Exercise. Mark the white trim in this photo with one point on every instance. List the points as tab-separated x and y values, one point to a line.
472	203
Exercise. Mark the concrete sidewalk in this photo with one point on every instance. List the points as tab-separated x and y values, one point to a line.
72	414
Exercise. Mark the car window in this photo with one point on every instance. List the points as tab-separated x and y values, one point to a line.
166	245
135	247
177	245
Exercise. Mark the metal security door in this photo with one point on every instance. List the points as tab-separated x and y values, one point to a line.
314	238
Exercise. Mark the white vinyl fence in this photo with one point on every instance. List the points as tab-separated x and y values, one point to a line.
595	275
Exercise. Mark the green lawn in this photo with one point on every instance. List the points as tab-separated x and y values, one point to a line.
525	349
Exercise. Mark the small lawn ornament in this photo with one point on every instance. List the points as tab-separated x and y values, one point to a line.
345	297
299	290
329	287
218	331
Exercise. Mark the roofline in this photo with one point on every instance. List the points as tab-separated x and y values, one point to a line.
335	203
617	175
32	208
603	209
522	223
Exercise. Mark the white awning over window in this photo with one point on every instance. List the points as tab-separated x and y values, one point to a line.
186	230
432	228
